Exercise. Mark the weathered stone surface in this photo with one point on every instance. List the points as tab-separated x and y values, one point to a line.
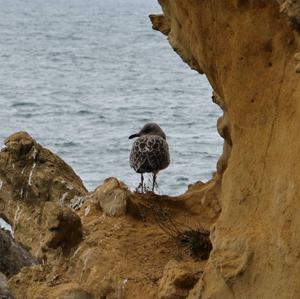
31	177
118	257
32	173
71	291
4	289
248	51
111	197
63	226
178	279
160	23
292	9
13	256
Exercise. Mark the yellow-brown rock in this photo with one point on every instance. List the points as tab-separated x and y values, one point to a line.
178	279
111	197
63	227
31	177
4	290
118	257
292	9
248	51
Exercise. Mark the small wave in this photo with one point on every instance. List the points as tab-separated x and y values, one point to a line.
85	112
67	144
182	179
25	115
23	104
68	37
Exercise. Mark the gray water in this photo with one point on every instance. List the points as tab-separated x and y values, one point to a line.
5	225
82	75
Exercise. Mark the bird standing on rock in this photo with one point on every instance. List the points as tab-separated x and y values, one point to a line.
150	152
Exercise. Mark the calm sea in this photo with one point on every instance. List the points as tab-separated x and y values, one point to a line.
82	75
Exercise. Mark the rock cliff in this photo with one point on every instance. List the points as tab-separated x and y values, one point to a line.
110	243
35	187
249	52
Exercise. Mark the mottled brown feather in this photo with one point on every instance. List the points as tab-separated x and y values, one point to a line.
150	153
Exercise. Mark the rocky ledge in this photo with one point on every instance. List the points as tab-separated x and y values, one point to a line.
109	243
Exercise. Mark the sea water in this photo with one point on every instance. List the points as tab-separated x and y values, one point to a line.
82	75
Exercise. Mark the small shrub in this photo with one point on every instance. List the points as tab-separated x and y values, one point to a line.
195	241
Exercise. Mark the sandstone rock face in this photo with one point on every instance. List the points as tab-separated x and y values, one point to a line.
31	177
64	227
71	291
117	257
178	279
4	290
248	50
292	9
112	197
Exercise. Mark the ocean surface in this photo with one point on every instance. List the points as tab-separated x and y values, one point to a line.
82	75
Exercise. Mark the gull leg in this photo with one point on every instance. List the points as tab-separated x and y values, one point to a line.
154	182
142	183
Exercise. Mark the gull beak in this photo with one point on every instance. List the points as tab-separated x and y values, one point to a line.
134	135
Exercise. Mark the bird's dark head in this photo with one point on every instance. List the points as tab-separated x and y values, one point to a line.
150	129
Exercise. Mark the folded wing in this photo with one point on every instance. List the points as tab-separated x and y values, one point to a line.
149	154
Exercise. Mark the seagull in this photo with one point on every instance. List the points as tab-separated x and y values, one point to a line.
150	152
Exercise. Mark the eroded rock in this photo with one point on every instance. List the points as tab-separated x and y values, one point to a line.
64	227
31	177
292	9
297	62
71	291
111	197
248	51
159	22
32	173
4	289
178	279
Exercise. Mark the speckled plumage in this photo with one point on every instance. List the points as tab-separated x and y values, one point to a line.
150	153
